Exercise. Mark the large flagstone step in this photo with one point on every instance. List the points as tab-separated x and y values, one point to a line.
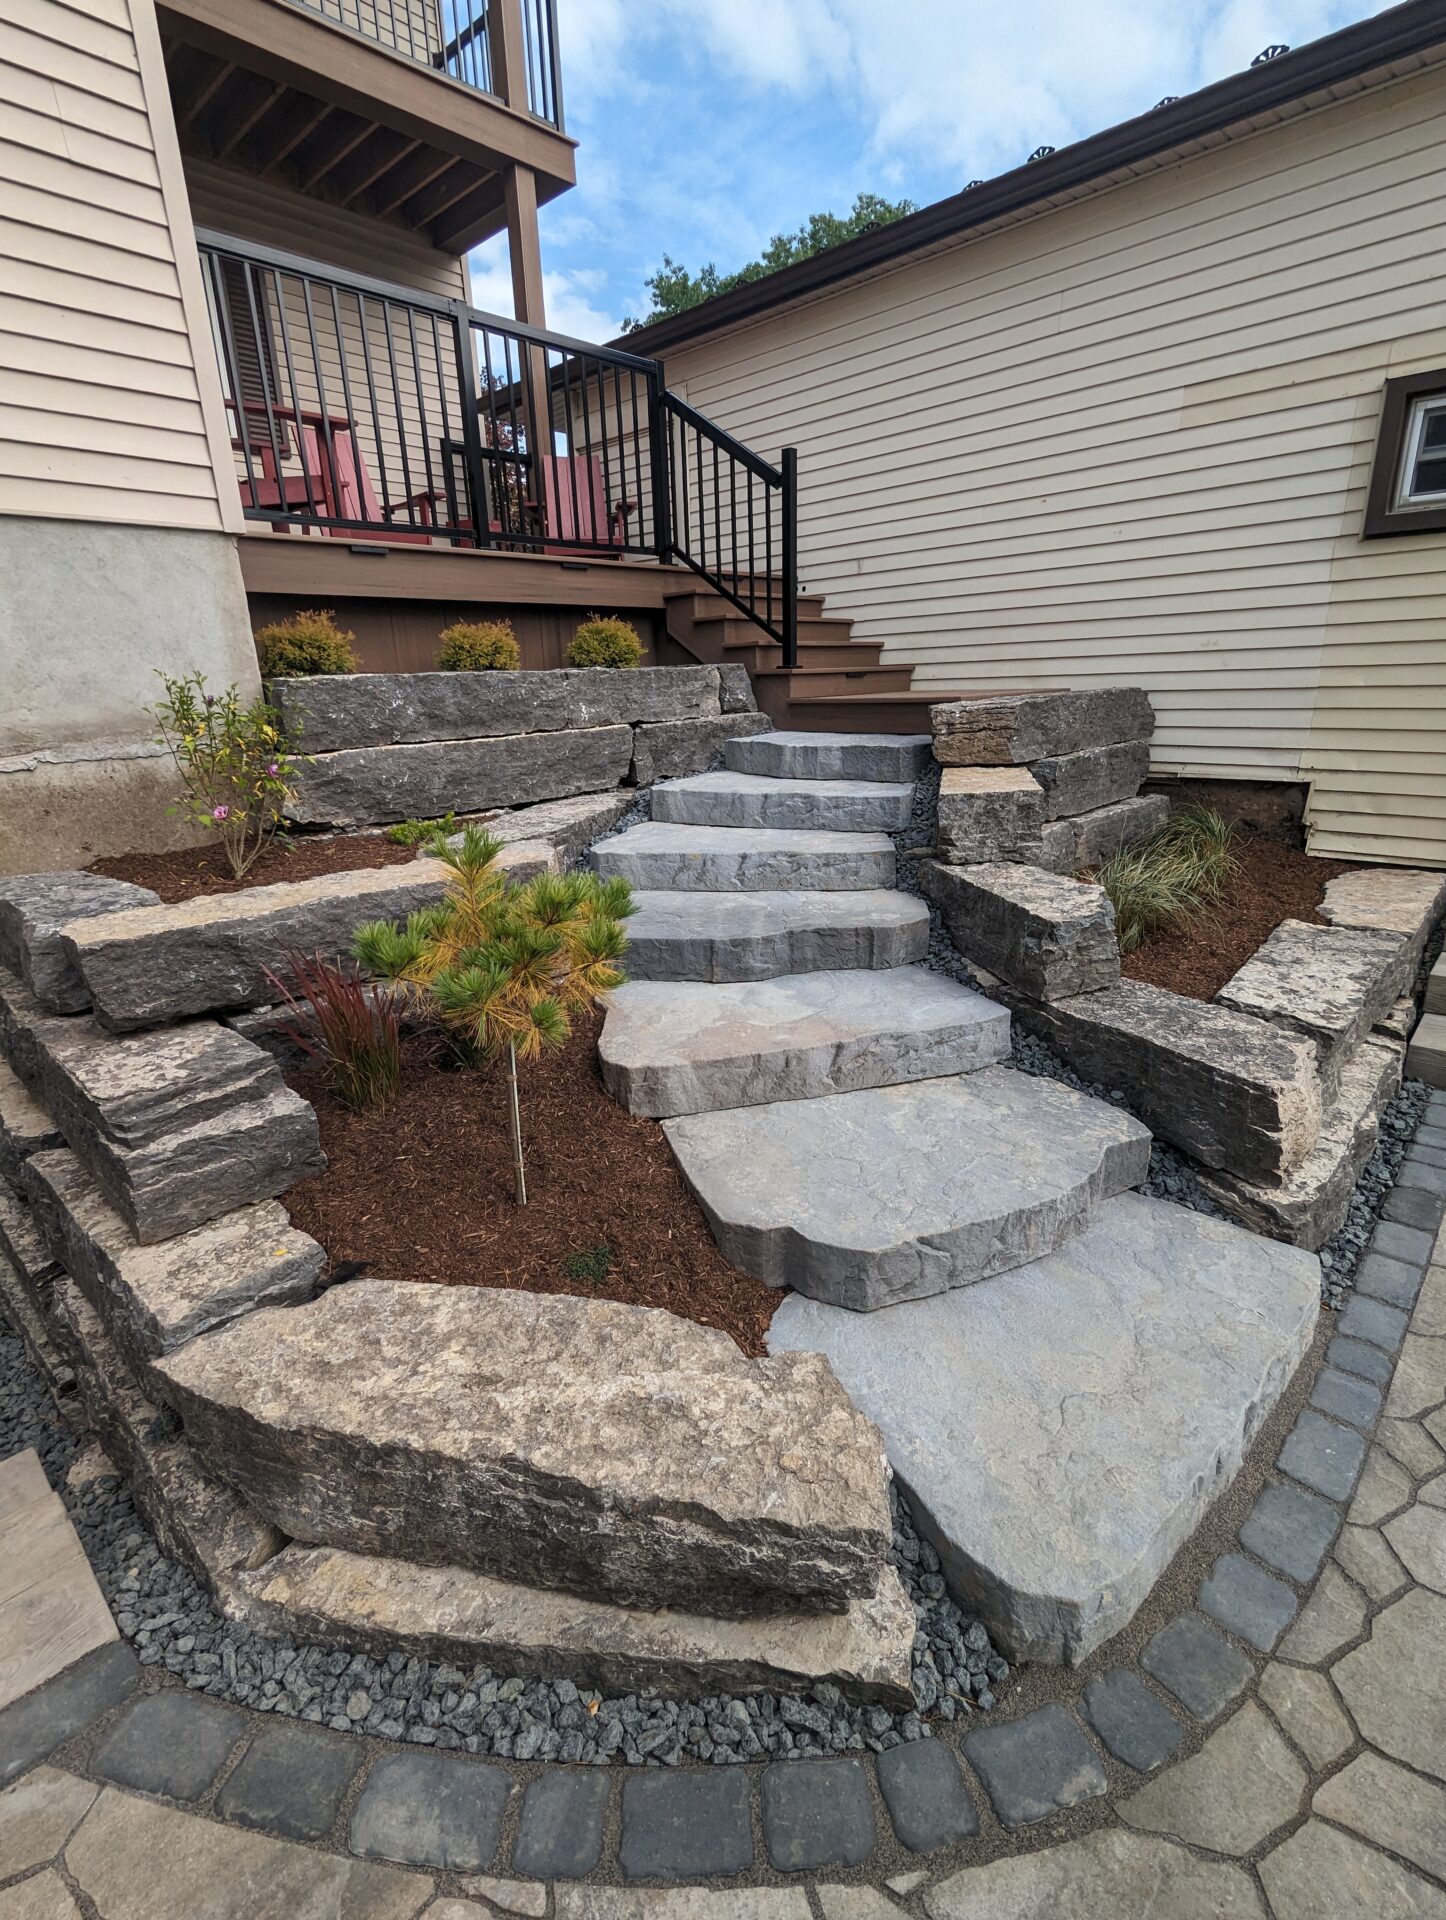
744	859
726	799
888	757
1061	1430
895	1193
756	936
671	1047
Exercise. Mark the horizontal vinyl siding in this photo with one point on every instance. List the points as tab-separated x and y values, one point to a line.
1130	440
101	409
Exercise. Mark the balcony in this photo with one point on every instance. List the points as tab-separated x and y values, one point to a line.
411	111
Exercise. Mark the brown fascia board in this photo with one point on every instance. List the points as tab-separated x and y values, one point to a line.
328	61
1395	34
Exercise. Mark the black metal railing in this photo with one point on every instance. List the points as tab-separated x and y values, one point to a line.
455	37
360	408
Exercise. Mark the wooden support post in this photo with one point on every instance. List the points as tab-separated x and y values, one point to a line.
523	246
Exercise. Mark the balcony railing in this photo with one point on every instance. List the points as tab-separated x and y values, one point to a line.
456	37
362	409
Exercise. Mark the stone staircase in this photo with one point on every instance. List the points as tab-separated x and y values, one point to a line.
843	1115
1066	1374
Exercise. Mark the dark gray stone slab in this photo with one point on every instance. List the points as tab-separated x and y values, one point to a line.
1393	1281
1365	1319
831	756
925	1794
742	800
34	1726
430	1810
968	1176
1423	1167
291	1780
1035	1767
1354	1356
498	1433
368	786
1248	1601
1086	841
676	747
1331	984
1414	1207
1412	1245
1399	900
25	1127
990	813
564	1813
1348	1398
817	1813
1197	1665
758	936
1136	1727
1291	1530
735	688
1077	783
1323	1456
331	712
172	1743
33	909
685	1825
1048	936
659	854
1015	728
1235	1092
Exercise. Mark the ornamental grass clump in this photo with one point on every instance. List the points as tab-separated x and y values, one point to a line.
479	646
306	644
500	966
1166	880
606	643
354	1030
237	777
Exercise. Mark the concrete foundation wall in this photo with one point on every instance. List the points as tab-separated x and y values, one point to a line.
89	614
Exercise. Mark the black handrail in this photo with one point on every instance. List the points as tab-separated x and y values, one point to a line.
358	406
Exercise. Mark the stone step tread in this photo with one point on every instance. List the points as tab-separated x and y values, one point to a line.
330	1597
674	1047
1061	1430
882	757
657	854
1331	984
894	1193
757	936
727	799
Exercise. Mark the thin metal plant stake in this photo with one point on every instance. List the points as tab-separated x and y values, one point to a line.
516	1125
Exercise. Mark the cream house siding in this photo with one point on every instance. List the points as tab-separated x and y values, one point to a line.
1129	440
105	415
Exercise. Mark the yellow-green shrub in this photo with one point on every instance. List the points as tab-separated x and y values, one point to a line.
307	643
606	643
479	646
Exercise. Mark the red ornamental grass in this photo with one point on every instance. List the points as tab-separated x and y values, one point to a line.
353	1029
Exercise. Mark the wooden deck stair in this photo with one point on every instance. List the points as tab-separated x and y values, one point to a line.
840	685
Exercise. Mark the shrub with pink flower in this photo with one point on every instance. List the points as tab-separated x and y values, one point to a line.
237	778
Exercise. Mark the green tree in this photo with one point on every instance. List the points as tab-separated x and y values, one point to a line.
675	290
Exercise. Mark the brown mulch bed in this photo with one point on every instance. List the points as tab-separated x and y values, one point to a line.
423	1190
1273	882
193	871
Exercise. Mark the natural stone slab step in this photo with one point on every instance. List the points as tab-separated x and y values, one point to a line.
896	1193
755	936
1331	984
34	907
569	826
329	712
1401	900
196	1516
888	757
158	964
671	1047
659	856
1312	1201
1061	1430
1018	728
177	1126
325	1596
154	1299
613	1451
1236	1092
1047	935
675	747
726	799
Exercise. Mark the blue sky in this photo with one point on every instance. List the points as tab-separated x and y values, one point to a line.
705	126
